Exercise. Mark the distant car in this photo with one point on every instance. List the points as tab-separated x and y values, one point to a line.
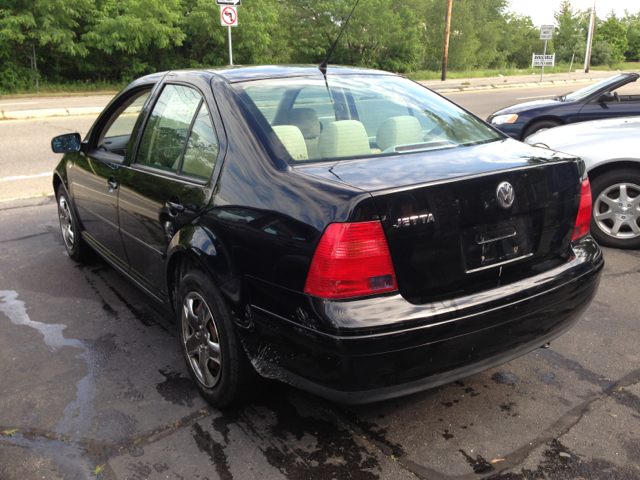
604	99
350	233
611	151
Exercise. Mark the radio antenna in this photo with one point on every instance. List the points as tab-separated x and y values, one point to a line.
323	65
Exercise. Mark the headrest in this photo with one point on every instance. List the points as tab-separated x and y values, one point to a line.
306	119
293	141
399	131
344	138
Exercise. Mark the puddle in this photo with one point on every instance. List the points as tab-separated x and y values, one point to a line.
78	415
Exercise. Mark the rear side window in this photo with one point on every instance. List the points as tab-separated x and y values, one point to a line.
202	148
347	116
168	126
179	136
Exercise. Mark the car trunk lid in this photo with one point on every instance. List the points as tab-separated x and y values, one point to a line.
445	225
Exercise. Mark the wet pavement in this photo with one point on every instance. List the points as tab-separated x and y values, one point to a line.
93	385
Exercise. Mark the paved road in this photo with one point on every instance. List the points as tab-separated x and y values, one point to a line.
93	382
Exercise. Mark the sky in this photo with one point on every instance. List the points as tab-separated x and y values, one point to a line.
541	11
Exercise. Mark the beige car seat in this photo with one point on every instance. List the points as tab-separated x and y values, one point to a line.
344	138
306	119
403	130
292	139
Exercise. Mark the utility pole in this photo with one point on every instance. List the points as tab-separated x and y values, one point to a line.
445	57
592	26
34	66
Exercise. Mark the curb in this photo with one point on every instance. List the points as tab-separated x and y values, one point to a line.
51	112
452	89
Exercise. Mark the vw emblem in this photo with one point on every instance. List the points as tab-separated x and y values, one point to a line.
505	195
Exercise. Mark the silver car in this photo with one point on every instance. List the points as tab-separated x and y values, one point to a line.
611	152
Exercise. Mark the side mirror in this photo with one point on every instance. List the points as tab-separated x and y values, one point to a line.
606	97
68	143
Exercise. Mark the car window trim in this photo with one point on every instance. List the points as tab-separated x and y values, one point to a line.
134	164
106	157
186	143
106	115
169	175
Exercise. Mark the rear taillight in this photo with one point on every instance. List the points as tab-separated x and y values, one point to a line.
584	213
351	259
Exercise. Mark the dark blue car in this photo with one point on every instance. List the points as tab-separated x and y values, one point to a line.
604	99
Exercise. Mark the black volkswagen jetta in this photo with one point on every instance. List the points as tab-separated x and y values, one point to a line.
353	234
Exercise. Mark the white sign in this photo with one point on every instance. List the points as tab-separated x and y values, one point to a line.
543	60
237	3
546	32
229	16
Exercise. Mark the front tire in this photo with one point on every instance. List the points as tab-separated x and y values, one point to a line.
77	249
210	345
539	126
615	220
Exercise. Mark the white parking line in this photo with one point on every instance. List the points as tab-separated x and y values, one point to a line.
22	103
24	177
539	96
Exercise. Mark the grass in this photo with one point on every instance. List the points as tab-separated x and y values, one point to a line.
508	72
67	88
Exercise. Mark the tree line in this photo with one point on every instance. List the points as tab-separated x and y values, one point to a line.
117	40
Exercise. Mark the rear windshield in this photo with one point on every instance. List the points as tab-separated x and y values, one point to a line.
312	119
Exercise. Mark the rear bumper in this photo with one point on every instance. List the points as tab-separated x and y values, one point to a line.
384	347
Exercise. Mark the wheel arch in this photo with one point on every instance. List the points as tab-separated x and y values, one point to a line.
196	247
609	165
57	181
541	119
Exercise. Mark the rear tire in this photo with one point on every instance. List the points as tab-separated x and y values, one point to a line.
538	126
76	247
615	220
210	345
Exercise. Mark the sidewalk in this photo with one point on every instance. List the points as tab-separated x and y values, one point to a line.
40	107
489	83
37	106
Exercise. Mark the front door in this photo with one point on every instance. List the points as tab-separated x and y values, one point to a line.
624	103
169	181
95	176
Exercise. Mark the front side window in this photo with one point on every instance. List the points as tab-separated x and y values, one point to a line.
115	135
317	119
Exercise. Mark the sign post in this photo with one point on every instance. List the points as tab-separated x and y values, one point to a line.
546	33
229	18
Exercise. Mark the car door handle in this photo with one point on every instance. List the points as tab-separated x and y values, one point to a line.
112	184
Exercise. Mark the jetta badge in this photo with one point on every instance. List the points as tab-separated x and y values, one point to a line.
505	194
415	220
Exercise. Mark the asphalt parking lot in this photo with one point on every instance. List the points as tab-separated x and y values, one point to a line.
94	386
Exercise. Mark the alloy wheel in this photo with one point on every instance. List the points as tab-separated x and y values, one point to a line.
617	210
66	222
201	341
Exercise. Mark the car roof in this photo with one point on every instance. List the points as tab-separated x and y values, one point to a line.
263	72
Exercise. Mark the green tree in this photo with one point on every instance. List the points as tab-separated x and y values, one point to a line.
48	26
519	41
632	24
613	32
380	34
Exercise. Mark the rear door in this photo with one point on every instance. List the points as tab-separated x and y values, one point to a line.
169	181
